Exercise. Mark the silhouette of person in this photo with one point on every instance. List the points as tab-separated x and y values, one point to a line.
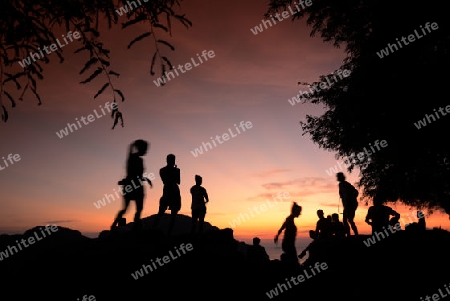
171	198
323	226
348	194
378	215
422	226
323	230
337	227
256	252
290	233
135	169
198	206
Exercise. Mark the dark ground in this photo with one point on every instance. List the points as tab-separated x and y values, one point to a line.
406	265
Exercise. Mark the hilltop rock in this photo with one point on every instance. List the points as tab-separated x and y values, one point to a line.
67	266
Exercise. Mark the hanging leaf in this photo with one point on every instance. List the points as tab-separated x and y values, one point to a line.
167	44
96	73
101	90
13	103
80	49
139	38
114	73
116	119
161	26
89	64
4	114
153	64
120	94
104	62
139	18
168	62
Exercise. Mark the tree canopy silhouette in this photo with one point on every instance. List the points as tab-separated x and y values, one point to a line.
26	26
386	95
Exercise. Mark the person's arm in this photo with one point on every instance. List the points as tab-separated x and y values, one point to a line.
178	175
161	175
341	190
395	214
368	218
148	181
206	196
279	232
317	227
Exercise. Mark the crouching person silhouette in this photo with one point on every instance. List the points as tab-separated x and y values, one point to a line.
134	178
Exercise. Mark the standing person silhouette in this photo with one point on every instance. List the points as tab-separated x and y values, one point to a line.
349	197
198	206
290	233
171	198
135	169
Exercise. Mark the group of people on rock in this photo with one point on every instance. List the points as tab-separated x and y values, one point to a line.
379	217
171	197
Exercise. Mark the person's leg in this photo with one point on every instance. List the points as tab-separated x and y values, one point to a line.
121	213
139	208
290	252
173	215
303	253
194	221
161	210
345	222
351	216
201	222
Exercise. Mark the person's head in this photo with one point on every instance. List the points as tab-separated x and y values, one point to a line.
377	200
256	241
320	213
170	160
335	217
198	180
296	209
340	176
141	147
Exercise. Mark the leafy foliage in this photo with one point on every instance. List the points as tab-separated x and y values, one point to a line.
384	98
26	26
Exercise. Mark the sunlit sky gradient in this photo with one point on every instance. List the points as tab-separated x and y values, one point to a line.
250	78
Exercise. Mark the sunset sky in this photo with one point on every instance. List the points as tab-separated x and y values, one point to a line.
249	79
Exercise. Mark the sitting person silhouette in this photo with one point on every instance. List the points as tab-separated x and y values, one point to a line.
323	230
135	170
198	206
378	216
290	233
420	225
256	252
323	227
337	227
171	198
